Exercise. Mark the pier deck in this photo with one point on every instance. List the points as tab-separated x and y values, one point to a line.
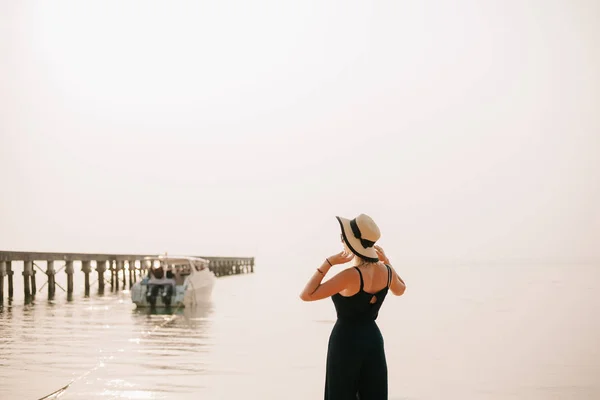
120	266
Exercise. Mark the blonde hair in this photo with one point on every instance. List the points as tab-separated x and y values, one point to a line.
357	260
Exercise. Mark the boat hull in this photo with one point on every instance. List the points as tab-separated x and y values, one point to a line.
197	288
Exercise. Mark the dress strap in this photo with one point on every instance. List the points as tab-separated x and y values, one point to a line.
361	279
389	275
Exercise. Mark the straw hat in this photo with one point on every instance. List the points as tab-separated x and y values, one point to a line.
360	235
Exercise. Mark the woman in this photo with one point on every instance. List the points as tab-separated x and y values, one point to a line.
356	364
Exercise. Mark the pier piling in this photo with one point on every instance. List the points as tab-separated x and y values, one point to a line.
111	268
116	269
2	275
9	274
122	268
100	268
131	270
51	274
86	267
33	283
27	272
69	271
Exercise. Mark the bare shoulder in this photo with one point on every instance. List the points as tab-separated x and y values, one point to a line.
347	272
381	267
348	277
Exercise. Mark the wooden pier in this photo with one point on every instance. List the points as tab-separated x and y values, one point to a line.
124	269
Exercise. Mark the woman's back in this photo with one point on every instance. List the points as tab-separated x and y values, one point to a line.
365	302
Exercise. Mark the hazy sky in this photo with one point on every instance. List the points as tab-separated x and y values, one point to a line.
469	130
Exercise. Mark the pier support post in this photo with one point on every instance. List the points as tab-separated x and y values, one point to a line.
100	268
69	271
33	283
131	270
10	273
86	267
111	267
50	273
27	272
118	266
122	267
2	274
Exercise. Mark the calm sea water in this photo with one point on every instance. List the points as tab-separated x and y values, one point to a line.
459	332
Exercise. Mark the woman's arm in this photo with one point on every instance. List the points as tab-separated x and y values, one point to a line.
315	290
397	286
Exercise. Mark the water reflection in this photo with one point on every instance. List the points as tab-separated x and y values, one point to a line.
103	346
162	339
192	317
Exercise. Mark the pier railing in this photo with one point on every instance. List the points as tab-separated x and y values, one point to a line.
120	266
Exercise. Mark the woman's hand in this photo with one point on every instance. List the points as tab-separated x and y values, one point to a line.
340	258
381	255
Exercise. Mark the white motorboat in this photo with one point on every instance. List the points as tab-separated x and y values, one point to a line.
174	282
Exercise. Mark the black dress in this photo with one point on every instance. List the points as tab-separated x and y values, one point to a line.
356	365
